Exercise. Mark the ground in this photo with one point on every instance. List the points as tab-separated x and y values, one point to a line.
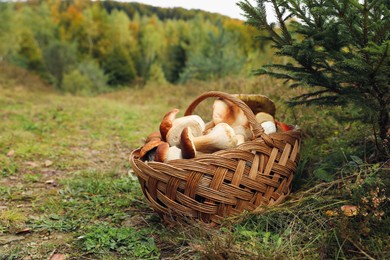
67	190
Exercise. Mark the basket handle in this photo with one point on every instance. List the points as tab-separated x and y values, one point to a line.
257	129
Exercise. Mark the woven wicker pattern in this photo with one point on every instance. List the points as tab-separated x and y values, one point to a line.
213	186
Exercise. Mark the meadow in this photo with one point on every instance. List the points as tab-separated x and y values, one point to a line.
67	190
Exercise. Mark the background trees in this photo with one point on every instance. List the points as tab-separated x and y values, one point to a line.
121	42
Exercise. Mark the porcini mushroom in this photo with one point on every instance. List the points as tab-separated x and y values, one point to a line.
193	121
222	136
147	151
267	121
156	135
243	133
165	153
258	103
225	111
188	148
166	123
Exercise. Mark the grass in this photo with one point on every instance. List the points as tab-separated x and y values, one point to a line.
65	185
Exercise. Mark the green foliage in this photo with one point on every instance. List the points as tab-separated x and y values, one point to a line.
59	58
8	39
340	52
85	80
126	241
132	43
217	58
119	67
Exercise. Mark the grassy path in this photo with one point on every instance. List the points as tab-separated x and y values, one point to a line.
64	175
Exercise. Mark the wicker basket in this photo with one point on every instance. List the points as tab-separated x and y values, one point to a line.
225	183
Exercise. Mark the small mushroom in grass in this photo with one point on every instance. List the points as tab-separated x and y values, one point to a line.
167	122
165	153
349	210
243	133
147	152
156	135
193	121
267	121
225	111
258	103
221	137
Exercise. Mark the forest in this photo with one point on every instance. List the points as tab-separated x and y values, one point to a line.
83	84
86	47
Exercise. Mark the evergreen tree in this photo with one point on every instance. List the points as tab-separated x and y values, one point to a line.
340	51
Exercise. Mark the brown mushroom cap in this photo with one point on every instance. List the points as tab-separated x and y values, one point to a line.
149	146
167	122
258	103
187	144
161	152
156	135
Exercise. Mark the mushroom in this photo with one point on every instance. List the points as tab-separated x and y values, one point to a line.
222	136
349	210
258	103
188	148
156	135
167	122
225	111
193	121
267	122
147	152
165	153
243	133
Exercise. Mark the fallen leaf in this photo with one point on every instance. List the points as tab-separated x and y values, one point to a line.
32	164
57	257
23	231
51	182
48	163
349	210
11	153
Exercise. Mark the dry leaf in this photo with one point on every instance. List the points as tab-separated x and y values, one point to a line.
48	163
57	257
349	210
51	182
32	164
26	230
11	153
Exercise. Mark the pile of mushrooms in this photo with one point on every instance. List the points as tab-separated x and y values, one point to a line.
189	136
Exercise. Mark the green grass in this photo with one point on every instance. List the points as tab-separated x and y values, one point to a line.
65	184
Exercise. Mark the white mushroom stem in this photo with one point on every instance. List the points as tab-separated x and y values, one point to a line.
193	121
267	122
164	153
243	133
221	137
